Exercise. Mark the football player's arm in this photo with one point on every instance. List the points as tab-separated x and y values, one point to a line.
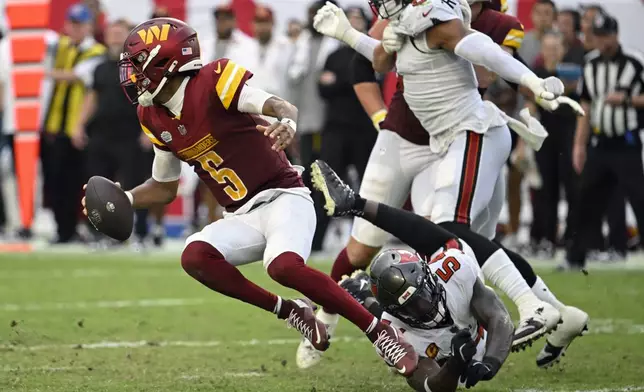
383	62
257	101
367	89
428	376
490	312
163	186
479	49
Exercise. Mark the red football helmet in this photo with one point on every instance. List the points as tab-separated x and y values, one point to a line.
154	51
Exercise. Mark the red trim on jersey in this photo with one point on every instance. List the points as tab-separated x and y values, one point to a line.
469	176
524	11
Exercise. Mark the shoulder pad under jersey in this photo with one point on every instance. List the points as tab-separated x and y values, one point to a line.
421	15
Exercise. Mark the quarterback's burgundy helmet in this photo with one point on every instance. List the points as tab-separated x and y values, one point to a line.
405	287
154	51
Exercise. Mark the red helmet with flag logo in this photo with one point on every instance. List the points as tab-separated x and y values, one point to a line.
154	51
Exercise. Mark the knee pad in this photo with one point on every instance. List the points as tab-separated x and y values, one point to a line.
283	267
196	254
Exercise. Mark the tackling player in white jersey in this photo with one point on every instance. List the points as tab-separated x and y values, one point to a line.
470	145
460	327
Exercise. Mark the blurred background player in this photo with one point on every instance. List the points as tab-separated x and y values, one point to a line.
70	61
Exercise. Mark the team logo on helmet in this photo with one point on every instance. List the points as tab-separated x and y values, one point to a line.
153	33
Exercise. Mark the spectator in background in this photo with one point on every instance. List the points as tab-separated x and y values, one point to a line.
98	17
309	56
611	155
569	24
554	159
348	133
544	13
272	52
71	61
108	127
589	13
293	30
229	41
160	12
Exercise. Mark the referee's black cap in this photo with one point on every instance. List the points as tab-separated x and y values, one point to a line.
605	24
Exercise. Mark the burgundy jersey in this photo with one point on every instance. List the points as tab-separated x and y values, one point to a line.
504	29
223	146
401	120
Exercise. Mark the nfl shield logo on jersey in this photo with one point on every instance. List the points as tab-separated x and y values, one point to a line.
182	130
166	136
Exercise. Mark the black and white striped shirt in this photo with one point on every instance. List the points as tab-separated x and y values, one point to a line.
603	76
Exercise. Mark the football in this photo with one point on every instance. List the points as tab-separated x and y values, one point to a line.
108	208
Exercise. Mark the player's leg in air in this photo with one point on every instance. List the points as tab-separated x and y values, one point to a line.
422	235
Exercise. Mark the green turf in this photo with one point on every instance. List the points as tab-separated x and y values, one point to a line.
48	303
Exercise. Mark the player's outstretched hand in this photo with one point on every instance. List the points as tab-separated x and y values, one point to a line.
463	347
331	21
281	132
480	371
549	88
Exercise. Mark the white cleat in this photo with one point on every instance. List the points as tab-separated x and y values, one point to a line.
574	324
536	321
307	356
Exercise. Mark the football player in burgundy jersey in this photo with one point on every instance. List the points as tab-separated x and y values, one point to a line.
207	116
401	145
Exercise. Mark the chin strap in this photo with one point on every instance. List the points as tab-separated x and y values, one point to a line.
147	98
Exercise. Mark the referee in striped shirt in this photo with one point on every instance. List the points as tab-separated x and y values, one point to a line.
607	151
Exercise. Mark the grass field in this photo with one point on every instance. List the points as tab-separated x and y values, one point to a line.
136	323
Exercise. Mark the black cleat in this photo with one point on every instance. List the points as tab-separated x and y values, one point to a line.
340	199
358	285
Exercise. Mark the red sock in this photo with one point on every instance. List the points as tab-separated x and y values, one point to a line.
204	263
342	266
289	270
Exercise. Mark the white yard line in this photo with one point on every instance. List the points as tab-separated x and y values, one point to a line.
135	303
175	343
9	369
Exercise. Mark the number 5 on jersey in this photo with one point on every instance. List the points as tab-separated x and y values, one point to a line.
210	162
448	267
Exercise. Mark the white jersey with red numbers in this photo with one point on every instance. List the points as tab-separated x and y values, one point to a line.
457	272
439	86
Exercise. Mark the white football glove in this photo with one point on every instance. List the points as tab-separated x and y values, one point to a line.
548	89
551	106
392	41
331	21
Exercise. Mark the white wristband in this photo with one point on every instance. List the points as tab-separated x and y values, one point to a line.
290	123
130	196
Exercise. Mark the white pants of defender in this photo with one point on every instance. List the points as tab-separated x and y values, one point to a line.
285	224
468	185
390	176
